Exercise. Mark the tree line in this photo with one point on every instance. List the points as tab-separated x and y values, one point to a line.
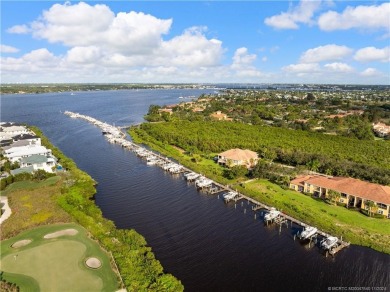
333	155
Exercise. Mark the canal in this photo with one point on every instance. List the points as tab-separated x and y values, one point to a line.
207	244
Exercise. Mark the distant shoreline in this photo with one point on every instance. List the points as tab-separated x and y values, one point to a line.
74	87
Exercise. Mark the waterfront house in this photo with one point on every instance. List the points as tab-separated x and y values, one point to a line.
17	144
31	138
17	153
38	162
238	156
352	192
13	130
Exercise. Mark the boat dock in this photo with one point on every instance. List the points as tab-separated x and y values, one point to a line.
116	136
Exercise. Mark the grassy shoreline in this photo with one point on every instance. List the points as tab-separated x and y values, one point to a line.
352	225
74	194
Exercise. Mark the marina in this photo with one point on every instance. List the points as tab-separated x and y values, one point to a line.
207	244
116	136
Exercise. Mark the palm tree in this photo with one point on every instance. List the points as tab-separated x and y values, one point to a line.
371	206
313	165
334	196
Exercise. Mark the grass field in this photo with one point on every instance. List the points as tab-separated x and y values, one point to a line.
33	204
56	264
30	185
352	225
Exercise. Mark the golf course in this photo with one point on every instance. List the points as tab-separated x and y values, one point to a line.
59	257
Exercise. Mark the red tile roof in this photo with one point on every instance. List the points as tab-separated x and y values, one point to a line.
354	187
300	180
239	154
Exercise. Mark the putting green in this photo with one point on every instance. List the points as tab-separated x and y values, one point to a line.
56	264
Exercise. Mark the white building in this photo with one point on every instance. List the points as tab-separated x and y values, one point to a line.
38	162
13	130
17	153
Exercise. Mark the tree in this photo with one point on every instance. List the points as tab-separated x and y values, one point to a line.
235	172
334	196
153	109
370	205
313	165
268	153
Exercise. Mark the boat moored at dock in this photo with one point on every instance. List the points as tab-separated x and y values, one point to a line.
271	215
308	233
329	243
115	135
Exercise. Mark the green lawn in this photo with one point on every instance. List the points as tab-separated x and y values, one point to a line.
339	221
30	185
56	264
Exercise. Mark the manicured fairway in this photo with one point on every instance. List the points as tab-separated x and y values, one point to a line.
56	264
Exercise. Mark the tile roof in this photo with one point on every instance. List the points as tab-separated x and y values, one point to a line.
354	187
34	159
19	143
239	154
29	169
300	180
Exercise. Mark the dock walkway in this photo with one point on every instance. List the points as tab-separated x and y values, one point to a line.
115	135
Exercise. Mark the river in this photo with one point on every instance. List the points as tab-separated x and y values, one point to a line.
208	245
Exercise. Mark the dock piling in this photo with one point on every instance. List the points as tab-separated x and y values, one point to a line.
117	136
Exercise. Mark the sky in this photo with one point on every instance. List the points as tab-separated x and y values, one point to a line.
307	41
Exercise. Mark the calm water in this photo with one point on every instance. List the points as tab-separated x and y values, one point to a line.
208	245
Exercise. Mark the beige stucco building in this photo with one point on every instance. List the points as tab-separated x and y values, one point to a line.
353	192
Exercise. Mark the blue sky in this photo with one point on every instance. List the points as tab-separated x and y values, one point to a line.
216	41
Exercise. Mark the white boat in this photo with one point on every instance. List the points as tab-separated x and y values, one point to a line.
203	182
329	242
230	196
308	232
272	214
175	169
169	166
191	176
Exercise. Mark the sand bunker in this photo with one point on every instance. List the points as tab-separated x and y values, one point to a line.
61	233
21	243
93	263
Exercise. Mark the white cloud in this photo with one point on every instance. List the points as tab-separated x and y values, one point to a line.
96	34
84	25
242	64
83	54
19	29
8	49
302	68
325	53
338	67
191	49
369	72
370	54
302	13
361	17
242	59
34	61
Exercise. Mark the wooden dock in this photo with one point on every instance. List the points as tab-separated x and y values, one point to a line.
342	245
215	187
